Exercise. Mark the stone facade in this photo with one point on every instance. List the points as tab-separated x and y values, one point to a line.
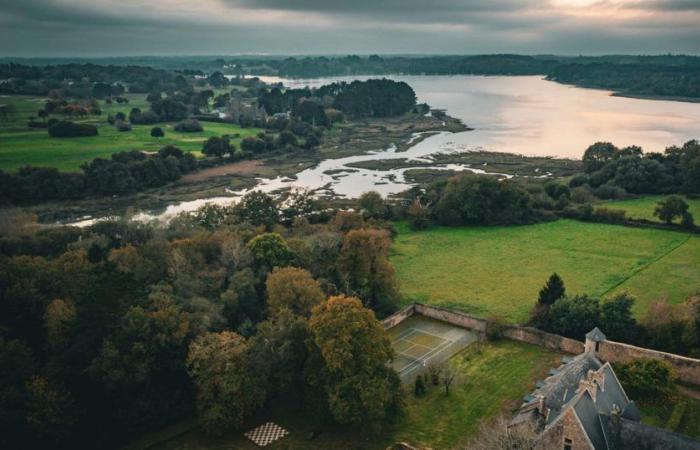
567	431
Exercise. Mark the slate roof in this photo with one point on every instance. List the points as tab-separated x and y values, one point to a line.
609	418
595	335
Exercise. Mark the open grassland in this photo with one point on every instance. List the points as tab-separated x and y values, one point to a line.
21	145
500	270
643	207
493	378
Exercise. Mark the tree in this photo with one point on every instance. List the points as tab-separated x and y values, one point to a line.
597	155
449	375
217	146
51	410
646	378
365	267
419	386
616	318
228	390
573	316
670	208
157	132
270	250
60	319
372	205
279	352
418	215
353	350
293	289
258	208
253	144
552	291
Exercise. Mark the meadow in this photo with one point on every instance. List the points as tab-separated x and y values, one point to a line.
643	207
21	145
493	378
500	270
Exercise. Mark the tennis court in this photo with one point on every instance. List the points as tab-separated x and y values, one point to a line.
420	341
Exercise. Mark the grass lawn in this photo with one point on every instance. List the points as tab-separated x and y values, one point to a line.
643	208
500	270
493	379
21	146
658	414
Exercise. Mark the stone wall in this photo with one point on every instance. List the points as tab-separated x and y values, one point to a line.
399	316
687	369
540	338
455	318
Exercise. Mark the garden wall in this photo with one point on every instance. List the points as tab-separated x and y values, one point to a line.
453	317
687	369
542	339
399	316
514	332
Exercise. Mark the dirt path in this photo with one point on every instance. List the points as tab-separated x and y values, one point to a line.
237	168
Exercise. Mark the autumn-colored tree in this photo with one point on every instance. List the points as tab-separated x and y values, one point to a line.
50	410
365	267
59	320
294	289
345	221
353	351
227	390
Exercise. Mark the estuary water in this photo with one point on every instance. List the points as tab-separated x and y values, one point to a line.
525	114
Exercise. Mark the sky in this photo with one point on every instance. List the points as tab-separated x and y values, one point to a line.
227	27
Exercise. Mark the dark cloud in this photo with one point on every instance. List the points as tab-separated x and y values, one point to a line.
108	27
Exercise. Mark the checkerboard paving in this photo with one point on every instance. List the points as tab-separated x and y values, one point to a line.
266	434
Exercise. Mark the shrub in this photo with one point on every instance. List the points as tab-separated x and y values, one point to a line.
188	126
123	126
578	180
495	327
253	144
646	378
157	132
65	128
608	191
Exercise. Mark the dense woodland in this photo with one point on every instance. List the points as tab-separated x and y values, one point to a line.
121	328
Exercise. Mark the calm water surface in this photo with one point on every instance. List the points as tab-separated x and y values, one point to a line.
526	115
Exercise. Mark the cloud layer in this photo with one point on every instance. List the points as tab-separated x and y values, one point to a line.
171	27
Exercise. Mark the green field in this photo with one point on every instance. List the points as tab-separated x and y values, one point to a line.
500	270
643	208
493	378
21	146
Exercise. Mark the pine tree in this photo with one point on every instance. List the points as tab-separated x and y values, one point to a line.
552	291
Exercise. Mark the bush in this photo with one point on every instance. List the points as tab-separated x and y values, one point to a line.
646	378
608	191
123	126
578	180
609	215
252	144
157	132
188	126
495	327
65	128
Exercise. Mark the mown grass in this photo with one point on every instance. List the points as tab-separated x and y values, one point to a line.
643	207
21	146
493	378
657	413
500	270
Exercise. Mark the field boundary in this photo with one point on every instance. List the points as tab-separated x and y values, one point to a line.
646	266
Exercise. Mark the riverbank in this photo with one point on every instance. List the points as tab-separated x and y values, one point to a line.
225	180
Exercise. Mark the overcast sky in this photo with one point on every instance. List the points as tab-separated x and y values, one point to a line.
188	27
